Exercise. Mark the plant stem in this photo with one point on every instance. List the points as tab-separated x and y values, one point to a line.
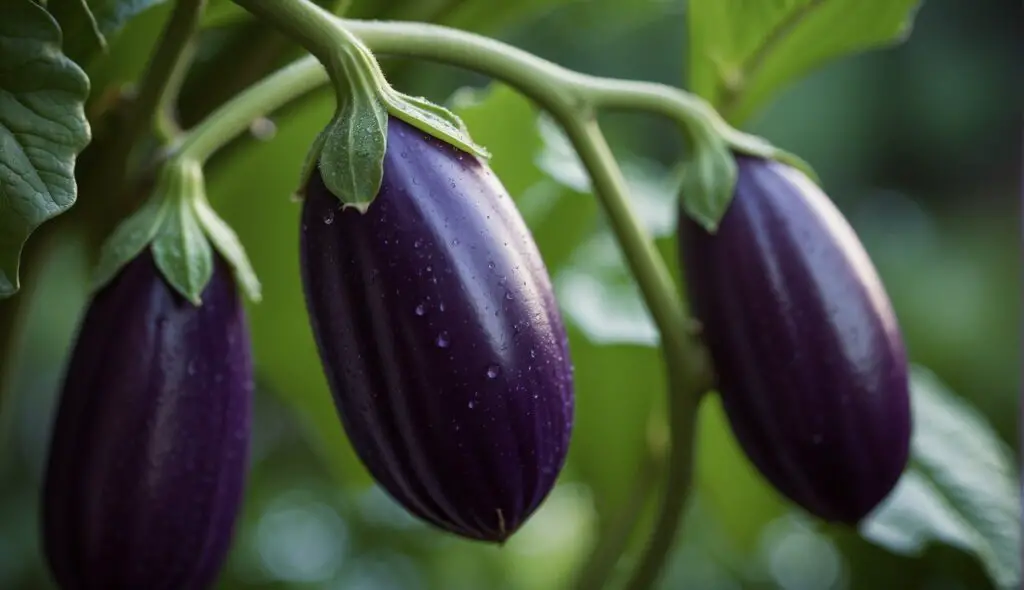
309	25
235	116
686	362
162	77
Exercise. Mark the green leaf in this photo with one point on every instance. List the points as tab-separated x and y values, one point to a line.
226	241
743	51
707	181
181	250
111	15
223	13
42	129
432	119
350	150
129	239
89	25
962	489
82	36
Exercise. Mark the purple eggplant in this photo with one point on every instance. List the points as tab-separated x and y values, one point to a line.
149	452
440	337
810	362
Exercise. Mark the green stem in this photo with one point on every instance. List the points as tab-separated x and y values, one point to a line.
162	77
235	116
571	98
685	359
309	25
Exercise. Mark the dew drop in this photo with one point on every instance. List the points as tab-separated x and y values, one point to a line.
533	353
441	306
443	340
493	371
455	242
471	404
508	295
417	244
420	309
490	265
329	217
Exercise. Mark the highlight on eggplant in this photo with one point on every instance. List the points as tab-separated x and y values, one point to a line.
149	450
810	361
440	337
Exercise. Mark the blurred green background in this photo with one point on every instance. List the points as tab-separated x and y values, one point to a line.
919	146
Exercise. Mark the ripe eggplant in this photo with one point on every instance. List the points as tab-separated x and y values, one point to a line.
810	361
150	445
440	337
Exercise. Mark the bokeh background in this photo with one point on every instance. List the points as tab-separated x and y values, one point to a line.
919	145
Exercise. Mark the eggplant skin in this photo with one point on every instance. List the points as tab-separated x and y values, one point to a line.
149	452
810	362
440	338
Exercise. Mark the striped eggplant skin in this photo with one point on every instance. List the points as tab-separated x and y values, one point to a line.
440	338
810	362
149	451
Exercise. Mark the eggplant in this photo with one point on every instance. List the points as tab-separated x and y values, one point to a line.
440	338
810	361
149	450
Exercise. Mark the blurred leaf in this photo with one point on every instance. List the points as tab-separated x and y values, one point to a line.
743	51
222	13
89	25
962	488
81	36
42	129
112	15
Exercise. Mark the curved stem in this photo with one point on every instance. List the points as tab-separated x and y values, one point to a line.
235	116
161	79
309	25
685	360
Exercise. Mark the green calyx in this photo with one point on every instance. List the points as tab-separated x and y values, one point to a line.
708	178
349	152
178	224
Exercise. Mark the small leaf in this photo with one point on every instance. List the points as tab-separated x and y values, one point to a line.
42	129
962	489
351	159
129	239
707	181
743	51
81	32
350	150
432	119
226	241
181	250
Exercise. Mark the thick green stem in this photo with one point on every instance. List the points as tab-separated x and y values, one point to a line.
309	25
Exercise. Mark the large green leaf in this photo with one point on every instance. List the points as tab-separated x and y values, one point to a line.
743	51
962	489
42	129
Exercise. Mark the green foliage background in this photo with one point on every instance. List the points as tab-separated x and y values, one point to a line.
918	145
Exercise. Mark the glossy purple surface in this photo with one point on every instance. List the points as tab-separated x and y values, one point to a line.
441	339
150	445
811	364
